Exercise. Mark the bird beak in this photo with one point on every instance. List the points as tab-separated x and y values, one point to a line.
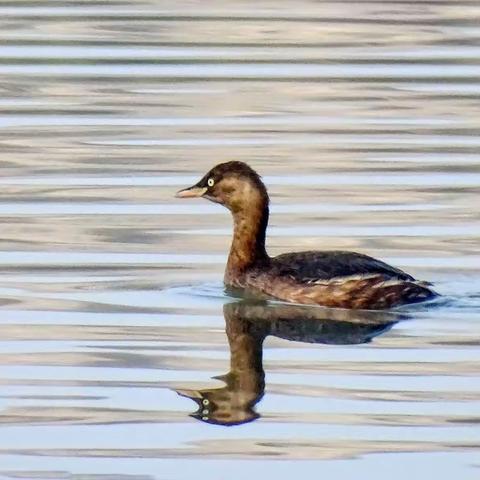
193	394
191	192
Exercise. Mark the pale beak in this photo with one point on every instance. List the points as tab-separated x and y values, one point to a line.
191	192
189	393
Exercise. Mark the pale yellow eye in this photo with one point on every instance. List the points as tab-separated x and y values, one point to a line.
210	182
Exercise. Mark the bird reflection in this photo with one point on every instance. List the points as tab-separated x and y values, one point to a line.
247	324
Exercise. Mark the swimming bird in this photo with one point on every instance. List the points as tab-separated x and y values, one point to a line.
339	279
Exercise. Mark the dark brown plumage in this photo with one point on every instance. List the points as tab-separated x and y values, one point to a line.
329	278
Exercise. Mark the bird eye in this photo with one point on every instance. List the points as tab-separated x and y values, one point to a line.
210	182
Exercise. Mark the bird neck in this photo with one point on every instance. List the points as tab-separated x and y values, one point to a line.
245	339
248	244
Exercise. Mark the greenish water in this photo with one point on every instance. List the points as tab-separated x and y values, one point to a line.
363	118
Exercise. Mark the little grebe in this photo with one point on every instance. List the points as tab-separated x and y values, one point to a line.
329	278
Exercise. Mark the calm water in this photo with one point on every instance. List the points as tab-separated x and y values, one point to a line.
121	357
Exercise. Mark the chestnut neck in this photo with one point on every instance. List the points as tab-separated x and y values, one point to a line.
248	243
246	352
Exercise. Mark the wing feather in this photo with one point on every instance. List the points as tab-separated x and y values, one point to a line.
315	266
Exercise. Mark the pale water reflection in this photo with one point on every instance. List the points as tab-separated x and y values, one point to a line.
248	323
363	118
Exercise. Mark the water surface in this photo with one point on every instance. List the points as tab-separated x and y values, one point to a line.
363	118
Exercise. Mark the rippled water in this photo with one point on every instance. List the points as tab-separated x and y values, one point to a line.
364	119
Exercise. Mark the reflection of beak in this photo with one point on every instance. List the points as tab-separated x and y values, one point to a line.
191	192
193	394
